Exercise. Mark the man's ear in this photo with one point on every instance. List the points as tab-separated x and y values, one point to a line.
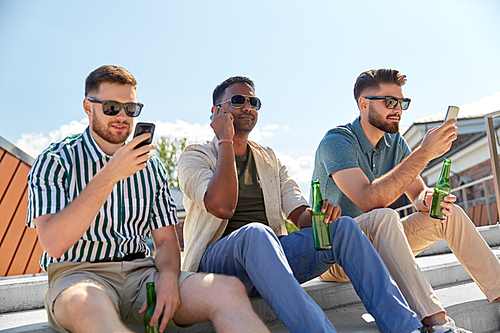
363	104
87	106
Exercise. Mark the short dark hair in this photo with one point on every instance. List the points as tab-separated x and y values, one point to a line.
219	90
371	80
108	74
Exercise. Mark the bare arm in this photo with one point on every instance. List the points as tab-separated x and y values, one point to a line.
385	190
221	197
168	263
58	232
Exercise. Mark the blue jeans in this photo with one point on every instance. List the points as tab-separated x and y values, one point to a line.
273	267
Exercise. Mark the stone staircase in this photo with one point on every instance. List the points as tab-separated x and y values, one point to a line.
21	298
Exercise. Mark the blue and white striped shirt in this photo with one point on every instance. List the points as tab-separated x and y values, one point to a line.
136	205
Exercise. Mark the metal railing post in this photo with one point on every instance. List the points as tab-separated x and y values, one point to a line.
466	200
492	143
487	202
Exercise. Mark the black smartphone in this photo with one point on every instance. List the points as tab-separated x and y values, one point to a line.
142	128
452	113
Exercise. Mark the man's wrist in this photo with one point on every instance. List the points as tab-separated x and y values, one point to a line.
225	140
425	197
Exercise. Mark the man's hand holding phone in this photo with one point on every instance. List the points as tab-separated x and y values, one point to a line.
222	123
133	156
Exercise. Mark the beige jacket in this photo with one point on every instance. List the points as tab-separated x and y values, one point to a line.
201	229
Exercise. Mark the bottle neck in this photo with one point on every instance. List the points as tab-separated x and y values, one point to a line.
445	171
317	198
151	296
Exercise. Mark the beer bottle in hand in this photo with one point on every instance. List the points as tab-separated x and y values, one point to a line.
321	230
441	190
151	305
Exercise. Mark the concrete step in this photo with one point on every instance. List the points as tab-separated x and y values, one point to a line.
28	292
21	300
465	303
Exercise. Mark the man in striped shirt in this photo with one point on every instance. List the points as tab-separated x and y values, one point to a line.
94	199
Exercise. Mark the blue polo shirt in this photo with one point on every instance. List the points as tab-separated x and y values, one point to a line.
346	147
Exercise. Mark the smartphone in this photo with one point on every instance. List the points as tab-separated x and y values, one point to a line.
142	128
212	115
452	113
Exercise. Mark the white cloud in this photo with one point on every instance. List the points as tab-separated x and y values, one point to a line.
181	129
34	143
300	170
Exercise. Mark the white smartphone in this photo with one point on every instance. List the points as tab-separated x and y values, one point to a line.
212	115
452	113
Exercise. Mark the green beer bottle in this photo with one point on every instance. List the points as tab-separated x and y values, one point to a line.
321	230
441	190
151	299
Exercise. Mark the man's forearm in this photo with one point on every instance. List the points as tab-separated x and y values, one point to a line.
222	192
385	190
168	259
62	230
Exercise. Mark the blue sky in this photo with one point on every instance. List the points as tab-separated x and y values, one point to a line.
303	56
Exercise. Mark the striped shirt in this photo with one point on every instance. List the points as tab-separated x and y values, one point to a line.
136	205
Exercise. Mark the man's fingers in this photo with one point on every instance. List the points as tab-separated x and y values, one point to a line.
143	307
167	315
138	139
325	205
329	212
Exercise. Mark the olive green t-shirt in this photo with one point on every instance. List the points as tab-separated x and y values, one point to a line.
250	206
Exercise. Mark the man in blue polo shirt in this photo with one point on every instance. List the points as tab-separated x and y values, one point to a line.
366	165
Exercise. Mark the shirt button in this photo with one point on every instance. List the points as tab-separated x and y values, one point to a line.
374	165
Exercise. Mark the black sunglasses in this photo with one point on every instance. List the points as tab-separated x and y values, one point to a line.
112	108
237	101
392	102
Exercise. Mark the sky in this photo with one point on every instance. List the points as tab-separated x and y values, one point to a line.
304	58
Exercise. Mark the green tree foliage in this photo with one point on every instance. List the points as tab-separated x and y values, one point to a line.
168	151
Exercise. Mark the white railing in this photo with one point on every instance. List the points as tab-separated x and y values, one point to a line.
492	143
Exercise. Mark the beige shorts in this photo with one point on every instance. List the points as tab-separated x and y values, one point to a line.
124	282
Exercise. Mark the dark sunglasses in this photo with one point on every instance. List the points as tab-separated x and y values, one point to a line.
112	108
392	102
237	101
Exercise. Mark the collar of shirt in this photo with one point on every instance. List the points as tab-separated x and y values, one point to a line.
93	149
365	144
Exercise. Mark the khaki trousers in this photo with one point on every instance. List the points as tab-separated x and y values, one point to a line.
398	241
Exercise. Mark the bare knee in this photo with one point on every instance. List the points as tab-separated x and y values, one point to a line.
229	291
232	287
81	300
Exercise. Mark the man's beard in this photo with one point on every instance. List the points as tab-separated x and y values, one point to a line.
102	131
244	126
376	120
